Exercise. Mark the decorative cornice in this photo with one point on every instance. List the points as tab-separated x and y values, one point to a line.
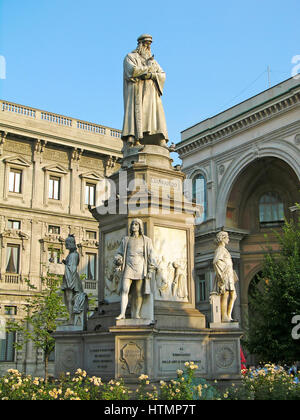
92	175
2	141
13	234
223	132
56	167
51	239
17	160
257	143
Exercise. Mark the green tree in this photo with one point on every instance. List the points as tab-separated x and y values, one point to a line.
276	300
44	311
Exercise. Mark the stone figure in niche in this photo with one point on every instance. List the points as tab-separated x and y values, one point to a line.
179	285
144	119
226	277
75	298
112	280
135	259
161	277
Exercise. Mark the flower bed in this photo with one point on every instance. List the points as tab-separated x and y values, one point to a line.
267	383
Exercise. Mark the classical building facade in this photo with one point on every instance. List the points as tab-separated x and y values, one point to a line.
245	167
51	169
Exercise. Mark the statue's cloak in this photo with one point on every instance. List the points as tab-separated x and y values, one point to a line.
143	110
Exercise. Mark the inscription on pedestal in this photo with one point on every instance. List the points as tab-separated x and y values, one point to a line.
101	357
172	356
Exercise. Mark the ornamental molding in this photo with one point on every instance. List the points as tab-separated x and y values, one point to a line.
131	358
17	160
87	244
256	146
225	356
13	235
214	135
52	239
3	135
92	175
57	168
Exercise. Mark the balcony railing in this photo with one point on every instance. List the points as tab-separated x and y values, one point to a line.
12	278
61	120
90	285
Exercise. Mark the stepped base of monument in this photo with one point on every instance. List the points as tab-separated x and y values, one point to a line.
170	317
224	325
127	351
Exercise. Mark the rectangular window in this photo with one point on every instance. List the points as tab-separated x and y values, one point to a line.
10	310
12	258
14	224
54	188
201	288
15	178
54	229
90	270
90	194
90	234
7	350
199	196
54	255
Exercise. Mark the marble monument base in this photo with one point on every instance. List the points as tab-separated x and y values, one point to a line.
128	322
224	325
127	351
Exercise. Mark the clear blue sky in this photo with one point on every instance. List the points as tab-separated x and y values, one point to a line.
65	56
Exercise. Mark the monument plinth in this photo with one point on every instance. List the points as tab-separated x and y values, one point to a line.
147	320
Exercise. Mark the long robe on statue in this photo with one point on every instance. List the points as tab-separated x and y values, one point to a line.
143	109
72	281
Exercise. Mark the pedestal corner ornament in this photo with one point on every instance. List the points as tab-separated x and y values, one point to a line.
224	356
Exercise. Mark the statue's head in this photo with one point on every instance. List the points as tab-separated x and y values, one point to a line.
145	38
70	242
139	223
222	237
144	45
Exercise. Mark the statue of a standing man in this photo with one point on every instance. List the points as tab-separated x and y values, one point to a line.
74	296
136	261
225	276
144	117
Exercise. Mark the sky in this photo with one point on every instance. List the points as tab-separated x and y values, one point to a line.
66	56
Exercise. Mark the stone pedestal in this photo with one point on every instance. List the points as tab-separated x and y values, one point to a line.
172	331
224	325
128	352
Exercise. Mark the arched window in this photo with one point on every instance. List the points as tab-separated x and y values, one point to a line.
271	209
199	196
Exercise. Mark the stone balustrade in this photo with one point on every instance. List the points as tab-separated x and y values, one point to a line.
19	109
60	120
12	278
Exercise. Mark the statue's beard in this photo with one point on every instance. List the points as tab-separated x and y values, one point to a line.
144	51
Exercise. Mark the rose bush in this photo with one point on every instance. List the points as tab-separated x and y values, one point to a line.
269	382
